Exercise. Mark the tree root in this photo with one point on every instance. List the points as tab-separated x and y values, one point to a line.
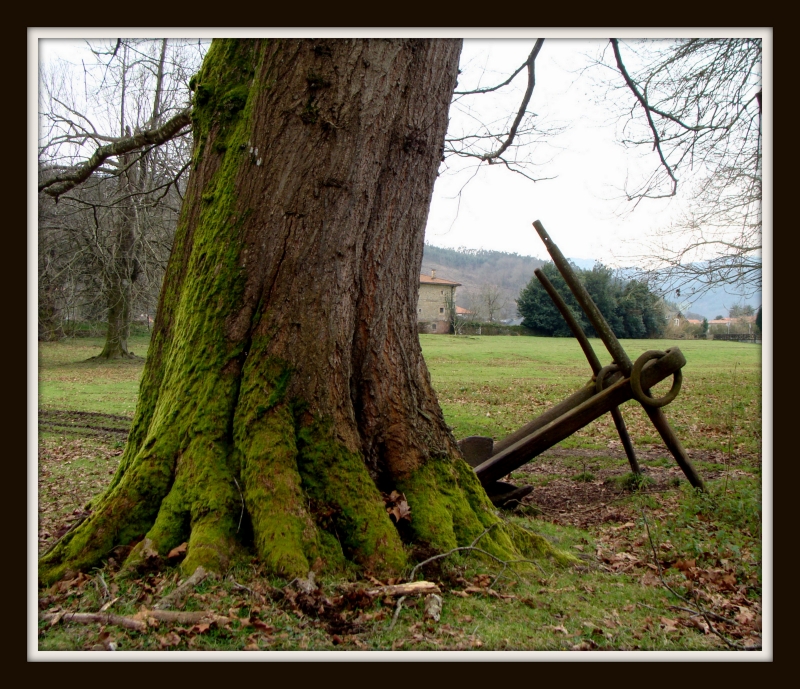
311	502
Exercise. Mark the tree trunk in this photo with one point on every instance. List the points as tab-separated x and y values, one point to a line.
285	393
51	324
120	273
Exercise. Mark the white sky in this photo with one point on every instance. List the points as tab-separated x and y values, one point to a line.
581	206
578	206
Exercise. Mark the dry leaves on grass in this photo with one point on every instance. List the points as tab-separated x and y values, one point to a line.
397	506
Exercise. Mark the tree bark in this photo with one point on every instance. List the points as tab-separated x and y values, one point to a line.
285	391
120	273
50	319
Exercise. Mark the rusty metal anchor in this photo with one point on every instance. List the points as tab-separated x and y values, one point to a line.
609	387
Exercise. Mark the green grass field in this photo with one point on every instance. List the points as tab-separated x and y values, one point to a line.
708	545
493	385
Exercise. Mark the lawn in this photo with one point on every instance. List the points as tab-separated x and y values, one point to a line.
662	567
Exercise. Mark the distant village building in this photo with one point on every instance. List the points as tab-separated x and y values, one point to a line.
434	296
739	324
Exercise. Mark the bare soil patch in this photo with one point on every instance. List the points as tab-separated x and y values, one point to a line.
563	500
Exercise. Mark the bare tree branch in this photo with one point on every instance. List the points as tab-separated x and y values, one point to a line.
647	110
523	106
55	186
489	89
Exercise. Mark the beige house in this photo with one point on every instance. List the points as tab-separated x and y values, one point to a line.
434	295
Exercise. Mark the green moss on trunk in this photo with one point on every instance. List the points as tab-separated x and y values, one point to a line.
345	499
449	508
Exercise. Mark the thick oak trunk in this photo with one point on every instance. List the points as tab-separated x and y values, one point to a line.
285	393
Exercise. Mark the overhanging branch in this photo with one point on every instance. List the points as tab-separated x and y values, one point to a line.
647	110
523	107
55	186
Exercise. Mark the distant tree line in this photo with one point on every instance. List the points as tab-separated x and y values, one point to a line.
473	258
630	308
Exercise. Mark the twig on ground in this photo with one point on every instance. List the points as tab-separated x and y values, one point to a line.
712	614
107	605
413	588
139	621
699	610
182	590
471	548
181	617
95	617
396	613
242	587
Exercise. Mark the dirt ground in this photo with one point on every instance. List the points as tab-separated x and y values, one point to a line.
563	500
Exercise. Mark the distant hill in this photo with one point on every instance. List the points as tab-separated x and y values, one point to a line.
717	302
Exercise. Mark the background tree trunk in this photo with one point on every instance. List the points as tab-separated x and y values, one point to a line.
285	389
120	274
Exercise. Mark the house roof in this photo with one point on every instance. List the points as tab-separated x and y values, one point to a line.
461	311
725	321
428	280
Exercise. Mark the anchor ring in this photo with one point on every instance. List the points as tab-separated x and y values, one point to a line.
636	381
601	374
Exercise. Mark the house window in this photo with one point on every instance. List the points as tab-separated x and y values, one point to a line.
441	309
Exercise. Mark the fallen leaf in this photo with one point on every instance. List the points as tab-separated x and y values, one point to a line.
168	640
587	645
263	626
178	551
669	625
698	623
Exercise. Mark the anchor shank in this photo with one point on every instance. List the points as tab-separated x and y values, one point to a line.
596	318
594	362
585	393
